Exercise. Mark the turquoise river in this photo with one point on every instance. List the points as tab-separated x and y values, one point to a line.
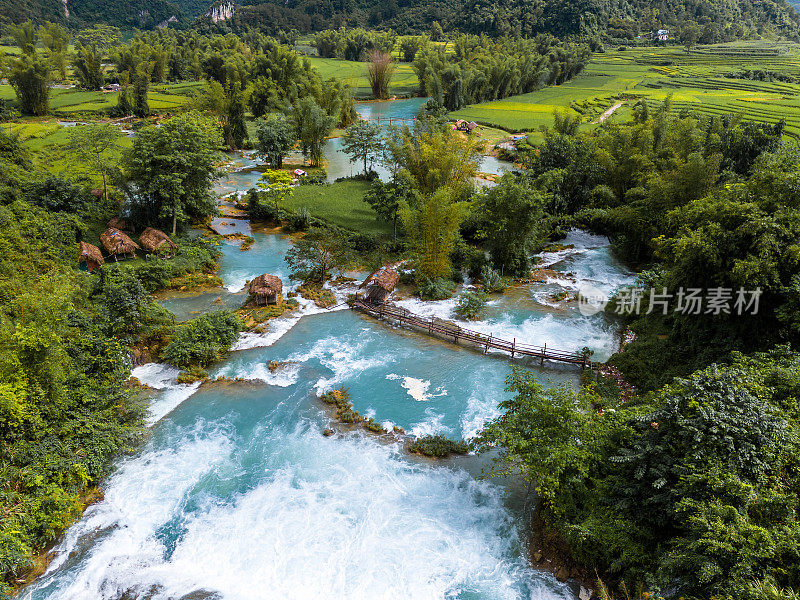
237	495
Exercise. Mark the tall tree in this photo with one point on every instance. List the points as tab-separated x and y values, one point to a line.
362	142
95	146
88	65
25	37
227	104
380	68
511	215
54	37
314	256
432	225
386	200
170	170
141	85
30	78
430	156
312	126
275	139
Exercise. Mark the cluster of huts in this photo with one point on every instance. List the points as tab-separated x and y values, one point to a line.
465	126
119	245
267	289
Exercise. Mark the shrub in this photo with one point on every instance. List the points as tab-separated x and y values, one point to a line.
203	341
438	446
470	305
318	178
299	221
492	282
363	243
193	374
373	426
435	289
344	408
195	255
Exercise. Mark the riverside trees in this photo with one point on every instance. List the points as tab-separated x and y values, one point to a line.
362	141
169	171
275	138
312	126
674	491
437	165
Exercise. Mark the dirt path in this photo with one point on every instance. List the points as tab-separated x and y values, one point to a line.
609	112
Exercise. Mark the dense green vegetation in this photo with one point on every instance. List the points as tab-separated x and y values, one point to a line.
64	410
686	486
65	354
692	488
714	22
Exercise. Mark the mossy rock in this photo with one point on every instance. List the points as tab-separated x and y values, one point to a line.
438	446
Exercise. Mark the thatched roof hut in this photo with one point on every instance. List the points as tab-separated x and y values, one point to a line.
153	239
117	223
266	289
380	284
90	258
117	244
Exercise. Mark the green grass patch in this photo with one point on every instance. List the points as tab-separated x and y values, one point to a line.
341	203
353	73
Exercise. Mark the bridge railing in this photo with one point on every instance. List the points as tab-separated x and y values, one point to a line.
458	333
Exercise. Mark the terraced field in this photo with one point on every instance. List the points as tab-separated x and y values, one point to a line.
72	102
703	80
46	140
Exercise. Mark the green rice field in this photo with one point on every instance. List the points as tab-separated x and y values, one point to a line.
699	81
72	102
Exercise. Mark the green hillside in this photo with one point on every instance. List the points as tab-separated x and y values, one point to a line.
716	21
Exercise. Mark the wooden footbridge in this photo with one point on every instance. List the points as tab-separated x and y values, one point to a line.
453	333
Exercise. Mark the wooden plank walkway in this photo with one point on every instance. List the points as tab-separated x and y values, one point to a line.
455	334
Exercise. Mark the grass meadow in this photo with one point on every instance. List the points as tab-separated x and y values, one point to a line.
404	82
341	203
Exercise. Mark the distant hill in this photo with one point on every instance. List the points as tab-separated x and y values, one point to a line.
126	14
719	20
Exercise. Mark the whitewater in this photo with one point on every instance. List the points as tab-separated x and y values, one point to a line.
237	495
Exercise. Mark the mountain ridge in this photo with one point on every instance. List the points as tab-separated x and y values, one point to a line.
720	20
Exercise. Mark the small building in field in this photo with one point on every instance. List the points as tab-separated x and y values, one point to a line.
380	284
157	242
118	245
662	35
465	126
266	289
90	258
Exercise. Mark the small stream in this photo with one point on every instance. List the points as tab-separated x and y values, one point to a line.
338	165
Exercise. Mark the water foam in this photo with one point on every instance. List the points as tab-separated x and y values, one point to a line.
163	377
144	493
318	518
277	328
418	389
